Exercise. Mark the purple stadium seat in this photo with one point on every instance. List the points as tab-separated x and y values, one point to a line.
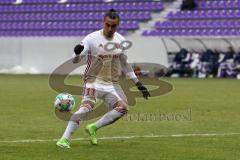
211	18
74	18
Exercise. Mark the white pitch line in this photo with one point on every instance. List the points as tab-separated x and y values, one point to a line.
126	137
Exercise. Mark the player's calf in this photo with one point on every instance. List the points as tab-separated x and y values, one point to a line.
121	108
110	117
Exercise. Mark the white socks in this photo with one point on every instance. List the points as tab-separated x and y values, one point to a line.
108	118
74	122
71	128
78	116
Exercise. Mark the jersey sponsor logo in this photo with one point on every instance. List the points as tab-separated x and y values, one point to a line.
109	56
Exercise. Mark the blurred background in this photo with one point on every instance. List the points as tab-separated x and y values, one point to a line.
198	40
193	38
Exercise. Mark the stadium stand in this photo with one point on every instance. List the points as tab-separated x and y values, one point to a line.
210	18
73	18
203	64
217	19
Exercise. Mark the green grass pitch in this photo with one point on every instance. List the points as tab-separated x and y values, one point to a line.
207	126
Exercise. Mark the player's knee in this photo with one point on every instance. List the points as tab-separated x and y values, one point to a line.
88	104
121	107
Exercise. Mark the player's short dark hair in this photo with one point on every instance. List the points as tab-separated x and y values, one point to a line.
112	13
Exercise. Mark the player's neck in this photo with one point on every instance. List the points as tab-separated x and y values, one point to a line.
108	38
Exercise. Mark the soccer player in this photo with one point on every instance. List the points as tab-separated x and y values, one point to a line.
104	65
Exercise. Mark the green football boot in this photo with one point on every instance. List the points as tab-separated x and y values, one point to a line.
63	143
91	129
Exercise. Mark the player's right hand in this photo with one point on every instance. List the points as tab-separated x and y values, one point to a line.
78	49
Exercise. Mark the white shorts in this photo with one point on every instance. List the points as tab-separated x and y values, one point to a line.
109	93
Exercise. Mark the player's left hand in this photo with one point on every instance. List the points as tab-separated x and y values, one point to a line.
143	89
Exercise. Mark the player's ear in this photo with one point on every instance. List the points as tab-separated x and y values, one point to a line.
104	20
118	22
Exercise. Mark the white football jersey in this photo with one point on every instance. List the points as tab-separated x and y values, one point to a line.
103	65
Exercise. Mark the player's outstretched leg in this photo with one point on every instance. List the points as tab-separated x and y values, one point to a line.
73	125
109	118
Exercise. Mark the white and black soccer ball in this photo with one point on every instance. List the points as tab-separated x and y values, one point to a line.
64	102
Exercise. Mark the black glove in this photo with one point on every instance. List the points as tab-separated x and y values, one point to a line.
143	89
78	49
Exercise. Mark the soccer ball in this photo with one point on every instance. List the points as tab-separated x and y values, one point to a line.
64	102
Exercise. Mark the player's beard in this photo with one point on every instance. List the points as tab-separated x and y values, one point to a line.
110	34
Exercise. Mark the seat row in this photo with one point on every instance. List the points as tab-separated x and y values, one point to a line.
57	1
121	6
222	23
48	33
221	4
193	32
71	16
126	25
202	14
